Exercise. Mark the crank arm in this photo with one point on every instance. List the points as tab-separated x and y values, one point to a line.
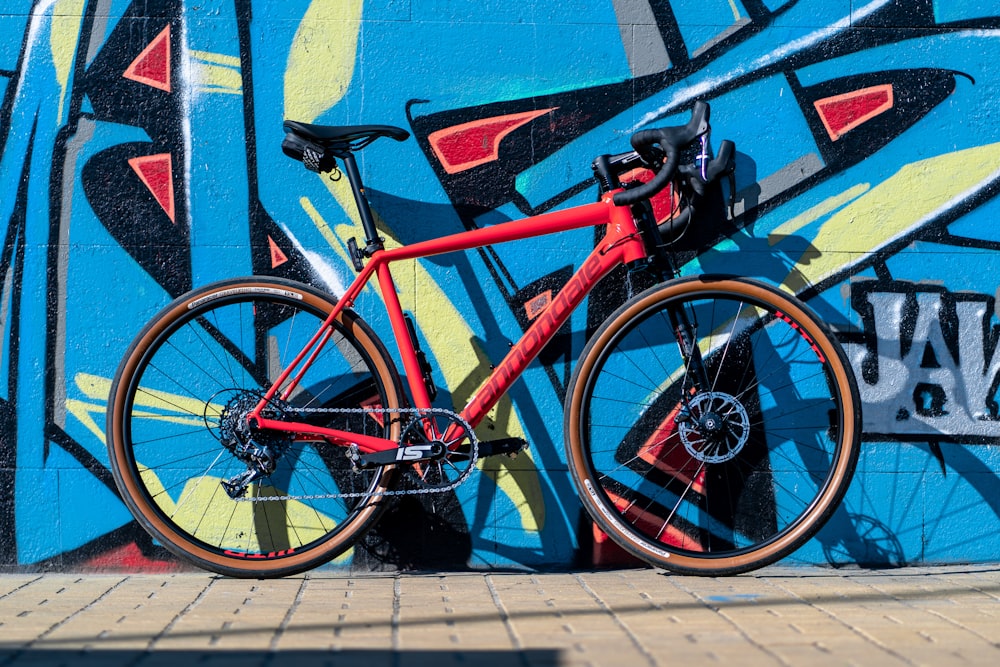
406	454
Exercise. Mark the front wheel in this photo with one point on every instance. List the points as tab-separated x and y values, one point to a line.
720	463
234	502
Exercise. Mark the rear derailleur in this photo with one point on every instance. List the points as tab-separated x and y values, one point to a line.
259	450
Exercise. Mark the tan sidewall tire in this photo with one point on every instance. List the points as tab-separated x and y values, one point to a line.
821	508
136	497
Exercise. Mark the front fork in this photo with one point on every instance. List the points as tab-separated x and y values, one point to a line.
661	264
694	363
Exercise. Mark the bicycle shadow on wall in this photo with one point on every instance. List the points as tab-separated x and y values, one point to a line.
914	491
434	530
871	541
752	494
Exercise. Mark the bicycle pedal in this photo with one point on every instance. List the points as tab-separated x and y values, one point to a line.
508	446
354	456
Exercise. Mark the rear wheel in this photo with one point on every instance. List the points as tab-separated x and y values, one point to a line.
717	472
179	447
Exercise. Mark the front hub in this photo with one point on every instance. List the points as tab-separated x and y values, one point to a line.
715	428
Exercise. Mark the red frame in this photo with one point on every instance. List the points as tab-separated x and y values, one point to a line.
621	244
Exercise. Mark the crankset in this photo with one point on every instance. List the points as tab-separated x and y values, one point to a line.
435	466
431	451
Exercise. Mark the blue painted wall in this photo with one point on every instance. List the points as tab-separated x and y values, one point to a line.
140	156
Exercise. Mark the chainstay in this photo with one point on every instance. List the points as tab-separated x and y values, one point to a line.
473	457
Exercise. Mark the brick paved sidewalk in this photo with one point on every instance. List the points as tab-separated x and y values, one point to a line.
778	616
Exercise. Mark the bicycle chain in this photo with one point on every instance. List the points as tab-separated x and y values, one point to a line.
473	457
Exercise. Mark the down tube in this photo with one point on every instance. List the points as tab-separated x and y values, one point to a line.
600	262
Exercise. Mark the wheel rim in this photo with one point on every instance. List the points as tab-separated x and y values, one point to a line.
657	487
177	464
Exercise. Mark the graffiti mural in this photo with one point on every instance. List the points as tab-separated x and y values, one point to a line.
140	157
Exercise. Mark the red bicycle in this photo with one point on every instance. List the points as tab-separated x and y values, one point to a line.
257	427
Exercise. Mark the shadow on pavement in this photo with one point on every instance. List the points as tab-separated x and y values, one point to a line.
306	658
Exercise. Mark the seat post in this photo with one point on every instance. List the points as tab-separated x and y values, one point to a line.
372	239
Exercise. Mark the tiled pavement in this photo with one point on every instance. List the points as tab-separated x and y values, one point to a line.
777	616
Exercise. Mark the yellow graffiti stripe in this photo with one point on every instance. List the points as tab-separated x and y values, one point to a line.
210	57
824	208
913	196
174	409
321	58
190	407
97	387
93	387
202	507
453	344
206	512
735	10
215	73
85	412
67	15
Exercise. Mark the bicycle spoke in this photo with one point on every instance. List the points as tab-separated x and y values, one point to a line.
725	469
236	501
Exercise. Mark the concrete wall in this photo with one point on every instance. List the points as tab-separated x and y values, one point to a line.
140	156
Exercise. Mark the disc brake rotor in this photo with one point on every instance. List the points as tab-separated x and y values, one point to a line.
716	428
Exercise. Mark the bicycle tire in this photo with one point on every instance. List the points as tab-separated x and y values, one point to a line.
202	359
652	465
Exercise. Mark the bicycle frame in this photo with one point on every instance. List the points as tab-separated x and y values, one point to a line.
621	244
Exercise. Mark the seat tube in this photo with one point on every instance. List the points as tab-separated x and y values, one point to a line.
361	201
411	365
